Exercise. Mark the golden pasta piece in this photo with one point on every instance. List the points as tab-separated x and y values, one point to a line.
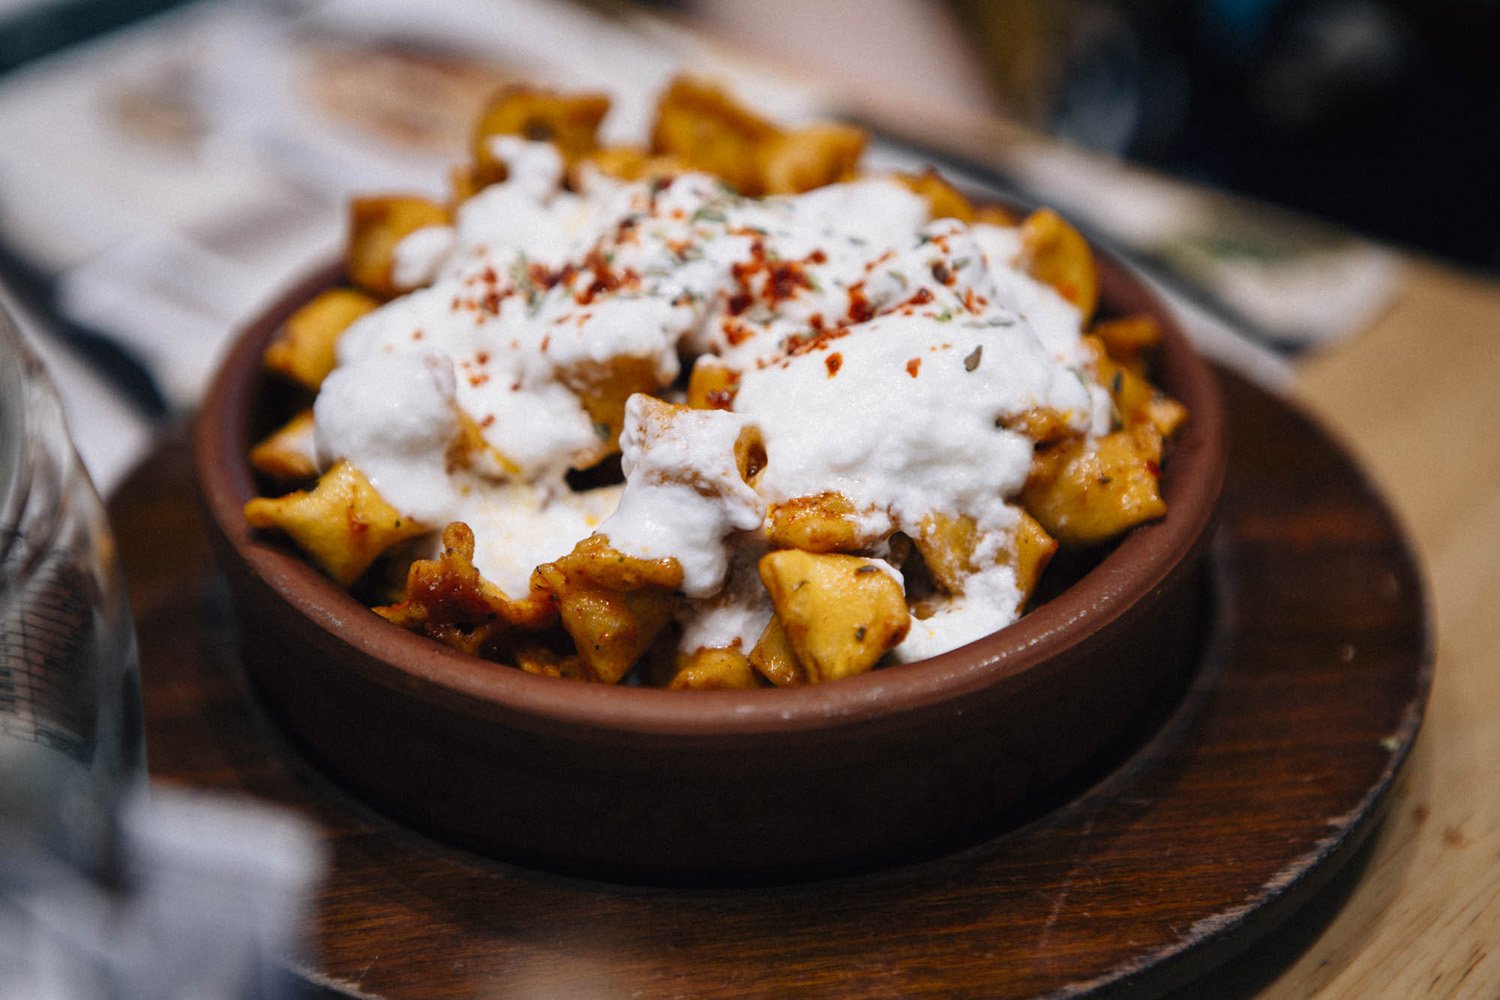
1056	254
714	669
1148	443
1042	424
943	199
604	387
994	215
287	453
1128	390
712	386
630	163
1163	413
625	163
470	450
448	600
377	224
1086	493
749	447
841	613
612	629
594	560
824	522
750	453
808	158
342	524
1034	549
1136	400
708	130
947	547
613	605
1126	338
568	121
774	658
948	543
303	350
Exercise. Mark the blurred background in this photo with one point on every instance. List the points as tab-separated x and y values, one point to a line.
1377	114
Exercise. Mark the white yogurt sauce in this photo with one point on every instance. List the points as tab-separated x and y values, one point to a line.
684	495
878	353
393	417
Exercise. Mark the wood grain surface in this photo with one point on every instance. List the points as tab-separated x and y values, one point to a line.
1414	398
1261	786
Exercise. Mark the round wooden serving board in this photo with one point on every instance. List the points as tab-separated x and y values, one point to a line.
1261	783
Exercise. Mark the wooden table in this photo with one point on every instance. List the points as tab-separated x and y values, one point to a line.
1414	396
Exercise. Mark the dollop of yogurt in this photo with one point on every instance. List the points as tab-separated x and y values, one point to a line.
684	494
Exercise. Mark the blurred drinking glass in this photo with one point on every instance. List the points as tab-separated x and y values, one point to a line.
71	740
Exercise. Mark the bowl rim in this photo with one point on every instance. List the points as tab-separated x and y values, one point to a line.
1139	563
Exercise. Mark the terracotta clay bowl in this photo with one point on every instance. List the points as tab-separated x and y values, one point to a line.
640	784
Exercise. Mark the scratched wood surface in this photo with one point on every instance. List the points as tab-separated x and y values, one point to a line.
1414	397
1255	798
1418	916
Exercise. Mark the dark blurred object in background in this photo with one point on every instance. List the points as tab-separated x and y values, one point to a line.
31	29
1378	114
